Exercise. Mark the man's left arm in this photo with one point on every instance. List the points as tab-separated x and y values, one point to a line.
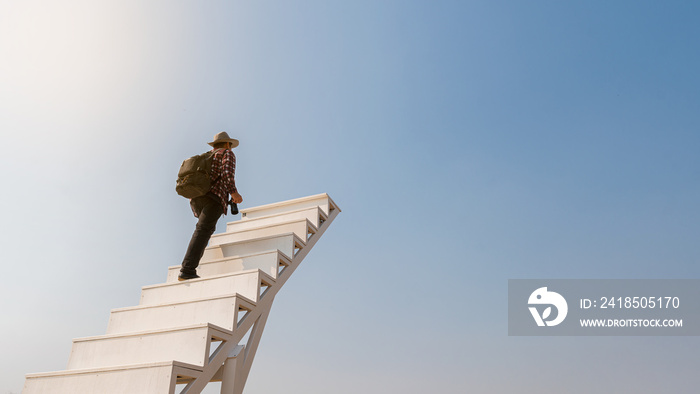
229	176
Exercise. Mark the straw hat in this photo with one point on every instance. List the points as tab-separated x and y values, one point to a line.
223	137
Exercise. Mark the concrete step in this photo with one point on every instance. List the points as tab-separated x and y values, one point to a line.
271	262
313	214
320	200
287	243
133	379
250	284
301	227
192	345
228	312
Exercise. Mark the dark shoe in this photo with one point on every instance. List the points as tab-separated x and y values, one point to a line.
182	276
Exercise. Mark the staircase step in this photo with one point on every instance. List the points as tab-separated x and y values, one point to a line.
286	243
270	262
313	214
320	200
132	379
249	284
191	345
301	227
226	312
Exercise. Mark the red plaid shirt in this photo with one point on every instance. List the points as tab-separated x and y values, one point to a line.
223	171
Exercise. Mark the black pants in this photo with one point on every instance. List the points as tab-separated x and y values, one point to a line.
208	211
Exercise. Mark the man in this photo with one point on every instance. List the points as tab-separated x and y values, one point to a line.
209	207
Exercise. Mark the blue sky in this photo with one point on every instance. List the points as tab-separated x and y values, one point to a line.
467	142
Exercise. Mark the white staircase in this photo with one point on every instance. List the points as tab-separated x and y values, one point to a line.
183	335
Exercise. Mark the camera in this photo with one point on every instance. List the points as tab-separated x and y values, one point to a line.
234	207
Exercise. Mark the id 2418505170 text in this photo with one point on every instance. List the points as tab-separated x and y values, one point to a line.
631	303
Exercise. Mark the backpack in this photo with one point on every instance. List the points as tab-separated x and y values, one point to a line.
194	177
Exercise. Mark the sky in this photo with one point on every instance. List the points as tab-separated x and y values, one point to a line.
466	142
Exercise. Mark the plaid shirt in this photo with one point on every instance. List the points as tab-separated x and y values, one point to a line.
223	171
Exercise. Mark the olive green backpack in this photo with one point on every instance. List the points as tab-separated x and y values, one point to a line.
194	177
